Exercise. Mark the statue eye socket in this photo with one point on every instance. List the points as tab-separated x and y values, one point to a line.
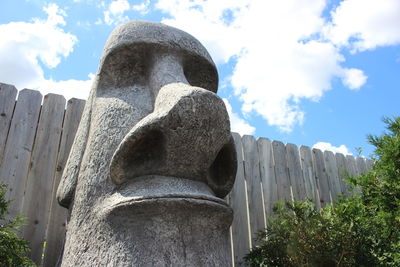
123	67
130	64
200	73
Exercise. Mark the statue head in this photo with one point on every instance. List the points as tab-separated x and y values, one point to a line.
153	129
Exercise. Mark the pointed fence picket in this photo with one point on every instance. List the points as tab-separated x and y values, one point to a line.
57	214
35	140
238	201
267	174
254	188
7	104
18	148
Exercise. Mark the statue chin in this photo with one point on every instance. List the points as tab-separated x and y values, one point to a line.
167	221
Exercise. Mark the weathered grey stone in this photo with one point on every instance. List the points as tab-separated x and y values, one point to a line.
181	138
152	158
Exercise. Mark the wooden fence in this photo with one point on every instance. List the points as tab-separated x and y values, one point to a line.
272	171
36	135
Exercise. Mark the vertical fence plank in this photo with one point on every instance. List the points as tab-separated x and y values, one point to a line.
333	176
281	172
58	215
230	241
254	194
369	163
361	165
19	146
240	224
7	103
351	165
352	170
267	175
40	177
309	175
342	173
295	172
321	177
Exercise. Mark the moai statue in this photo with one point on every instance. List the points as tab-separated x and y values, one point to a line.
152	159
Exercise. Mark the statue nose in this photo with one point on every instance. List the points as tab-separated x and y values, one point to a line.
166	68
186	136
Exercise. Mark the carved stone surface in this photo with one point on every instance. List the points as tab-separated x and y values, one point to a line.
152	158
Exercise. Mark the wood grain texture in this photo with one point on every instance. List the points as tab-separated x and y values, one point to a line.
19	146
8	94
333	176
58	215
309	175
321	177
271	170
342	173
254	188
238	202
40	177
361	166
267	175
295	172
352	169
281	171
351	165
369	163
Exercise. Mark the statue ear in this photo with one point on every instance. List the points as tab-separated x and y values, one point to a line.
222	173
66	188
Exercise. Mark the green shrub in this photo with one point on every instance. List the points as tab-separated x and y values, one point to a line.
361	230
13	250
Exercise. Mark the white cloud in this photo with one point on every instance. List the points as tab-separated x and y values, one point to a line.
41	39
329	147
118	6
25	45
115	12
69	88
365	24
354	78
238	124
207	21
282	50
142	8
272	82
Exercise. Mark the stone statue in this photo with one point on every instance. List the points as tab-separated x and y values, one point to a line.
152	159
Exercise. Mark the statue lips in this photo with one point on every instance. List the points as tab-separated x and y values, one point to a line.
179	148
144	194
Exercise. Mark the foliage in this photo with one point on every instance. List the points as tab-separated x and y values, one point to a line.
13	250
360	230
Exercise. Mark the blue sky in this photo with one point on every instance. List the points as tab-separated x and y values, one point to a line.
309	72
